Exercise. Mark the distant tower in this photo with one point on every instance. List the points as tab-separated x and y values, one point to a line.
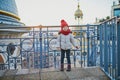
9	18
78	14
9	13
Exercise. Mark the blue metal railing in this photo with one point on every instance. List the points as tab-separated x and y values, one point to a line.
118	50
98	47
109	48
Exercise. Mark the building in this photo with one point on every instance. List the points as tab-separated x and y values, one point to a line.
9	18
115	11
9	27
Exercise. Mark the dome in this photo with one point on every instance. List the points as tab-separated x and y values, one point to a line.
78	13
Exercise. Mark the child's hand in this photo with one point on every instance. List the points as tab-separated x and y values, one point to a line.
77	47
58	48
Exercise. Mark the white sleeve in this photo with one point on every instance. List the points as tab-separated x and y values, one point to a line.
72	40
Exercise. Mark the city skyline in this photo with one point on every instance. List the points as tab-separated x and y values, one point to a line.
42	12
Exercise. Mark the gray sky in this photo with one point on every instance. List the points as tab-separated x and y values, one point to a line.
50	12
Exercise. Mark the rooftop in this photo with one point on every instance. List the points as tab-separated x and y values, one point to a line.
89	73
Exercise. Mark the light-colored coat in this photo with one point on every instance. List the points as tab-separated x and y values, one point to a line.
66	41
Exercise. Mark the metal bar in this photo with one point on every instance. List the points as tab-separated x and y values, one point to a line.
48	45
88	51
81	41
109	50
21	53
41	55
40	26
101	49
84	50
94	53
106	48
113	49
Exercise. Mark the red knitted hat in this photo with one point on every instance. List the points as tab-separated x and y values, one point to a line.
63	23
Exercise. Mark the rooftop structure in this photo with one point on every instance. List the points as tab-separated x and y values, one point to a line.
115	9
9	18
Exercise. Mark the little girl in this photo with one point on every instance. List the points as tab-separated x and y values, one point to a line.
65	41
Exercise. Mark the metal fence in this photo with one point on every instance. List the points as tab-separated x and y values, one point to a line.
36	48
108	48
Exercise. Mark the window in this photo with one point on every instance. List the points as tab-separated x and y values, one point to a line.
117	12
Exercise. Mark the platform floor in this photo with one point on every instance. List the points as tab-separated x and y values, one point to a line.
90	73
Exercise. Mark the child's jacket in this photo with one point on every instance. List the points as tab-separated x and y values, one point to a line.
66	41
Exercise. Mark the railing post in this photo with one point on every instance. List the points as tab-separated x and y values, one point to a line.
114	46
101	45
40	48
118	50
105	48
88	48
